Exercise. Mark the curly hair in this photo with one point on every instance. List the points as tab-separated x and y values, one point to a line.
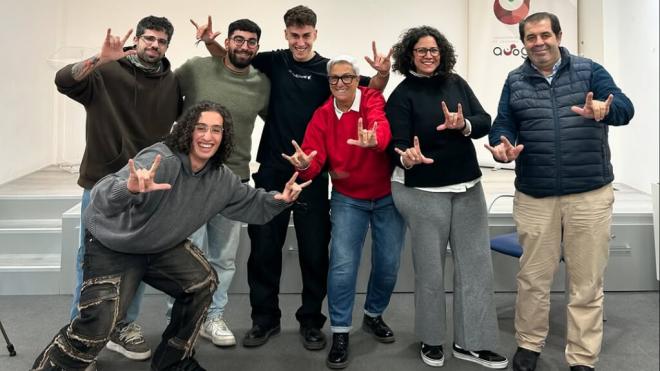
180	138
403	50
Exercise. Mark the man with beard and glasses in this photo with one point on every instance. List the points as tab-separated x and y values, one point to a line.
131	98
232	82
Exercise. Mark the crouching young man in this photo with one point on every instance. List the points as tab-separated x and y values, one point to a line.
137	225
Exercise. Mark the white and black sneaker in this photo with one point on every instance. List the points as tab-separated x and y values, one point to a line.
485	358
432	355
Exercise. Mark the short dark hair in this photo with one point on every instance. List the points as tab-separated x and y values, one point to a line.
244	25
180	138
300	16
403	50
155	23
537	17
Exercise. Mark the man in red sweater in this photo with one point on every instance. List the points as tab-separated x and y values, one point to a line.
349	133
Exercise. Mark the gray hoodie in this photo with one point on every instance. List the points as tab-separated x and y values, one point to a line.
152	222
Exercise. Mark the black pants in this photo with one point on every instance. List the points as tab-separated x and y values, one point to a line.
109	284
311	218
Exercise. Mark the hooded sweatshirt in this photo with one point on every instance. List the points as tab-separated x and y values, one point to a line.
127	109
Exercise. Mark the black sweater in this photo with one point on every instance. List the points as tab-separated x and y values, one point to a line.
414	108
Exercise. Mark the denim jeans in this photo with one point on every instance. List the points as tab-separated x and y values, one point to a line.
219	240
111	279
351	219
134	308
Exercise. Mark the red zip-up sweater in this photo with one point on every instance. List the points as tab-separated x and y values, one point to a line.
362	173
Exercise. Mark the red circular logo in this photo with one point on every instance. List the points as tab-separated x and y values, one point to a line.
511	11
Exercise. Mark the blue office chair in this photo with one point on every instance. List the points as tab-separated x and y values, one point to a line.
508	244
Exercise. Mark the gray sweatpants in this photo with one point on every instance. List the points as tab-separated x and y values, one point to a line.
434	219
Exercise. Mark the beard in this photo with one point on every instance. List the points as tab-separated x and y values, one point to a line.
240	61
150	59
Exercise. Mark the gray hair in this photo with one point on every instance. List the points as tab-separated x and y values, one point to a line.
343	58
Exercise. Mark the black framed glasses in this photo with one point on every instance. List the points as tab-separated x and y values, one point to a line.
152	39
203	128
346	79
421	52
240	40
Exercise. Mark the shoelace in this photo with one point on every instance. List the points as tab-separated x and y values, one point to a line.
131	334
219	323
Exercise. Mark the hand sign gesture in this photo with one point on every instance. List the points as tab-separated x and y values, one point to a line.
205	32
299	159
505	152
453	120
594	109
366	138
381	63
142	180
292	189
113	47
413	156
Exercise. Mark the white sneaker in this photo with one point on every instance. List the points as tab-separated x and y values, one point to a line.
218	332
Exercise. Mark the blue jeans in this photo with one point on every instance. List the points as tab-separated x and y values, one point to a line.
222	237
134	308
111	280
351	219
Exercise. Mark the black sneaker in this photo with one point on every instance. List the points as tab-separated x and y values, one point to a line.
485	358
432	355
581	368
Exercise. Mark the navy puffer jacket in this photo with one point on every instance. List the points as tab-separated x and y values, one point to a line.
564	152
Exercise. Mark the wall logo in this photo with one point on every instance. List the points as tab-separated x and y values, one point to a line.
511	50
511	11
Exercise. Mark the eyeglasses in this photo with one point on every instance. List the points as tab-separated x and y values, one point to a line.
346	79
151	39
203	128
421	52
240	40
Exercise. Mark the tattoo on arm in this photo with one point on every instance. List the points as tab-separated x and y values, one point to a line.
82	69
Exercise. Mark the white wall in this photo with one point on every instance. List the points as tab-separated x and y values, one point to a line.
42	127
630	53
84	25
27	32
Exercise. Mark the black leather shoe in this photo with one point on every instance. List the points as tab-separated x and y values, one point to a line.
338	356
581	368
312	338
258	335
378	328
525	360
187	364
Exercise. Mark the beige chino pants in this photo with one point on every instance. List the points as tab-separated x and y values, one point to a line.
582	223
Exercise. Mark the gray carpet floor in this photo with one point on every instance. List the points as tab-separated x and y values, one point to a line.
631	336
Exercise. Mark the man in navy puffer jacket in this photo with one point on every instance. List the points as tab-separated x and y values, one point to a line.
555	109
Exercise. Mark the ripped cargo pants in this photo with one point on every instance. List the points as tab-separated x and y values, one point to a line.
110	281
